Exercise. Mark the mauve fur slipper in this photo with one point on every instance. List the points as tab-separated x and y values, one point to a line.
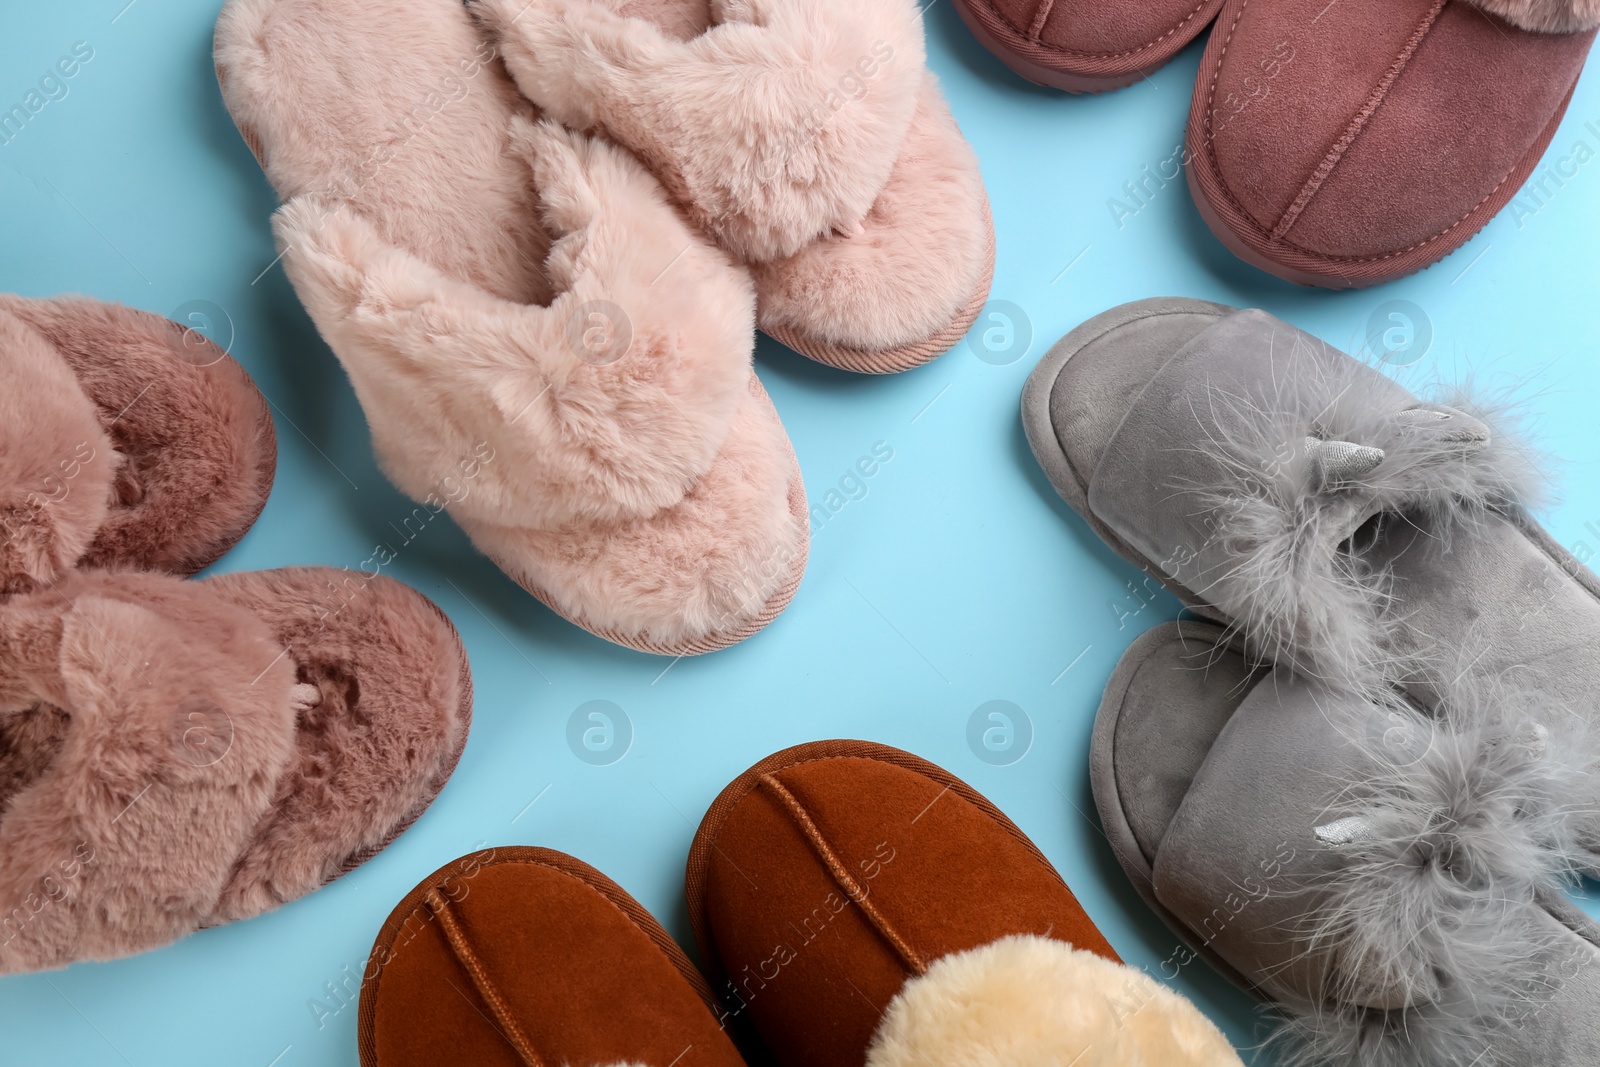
176	755
807	136
126	440
541	344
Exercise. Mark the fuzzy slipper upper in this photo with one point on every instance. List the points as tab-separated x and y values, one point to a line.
125	440
808	138
181	754
540	343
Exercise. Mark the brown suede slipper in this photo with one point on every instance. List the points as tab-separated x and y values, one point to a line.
1086	46
176	755
525	957
126	440
1345	145
853	901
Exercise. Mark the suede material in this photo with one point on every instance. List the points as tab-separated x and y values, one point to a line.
797	955
1086	47
580	970
1150	470
1500	602
1240	873
1368	140
1116	28
183	458
1184	695
1263	787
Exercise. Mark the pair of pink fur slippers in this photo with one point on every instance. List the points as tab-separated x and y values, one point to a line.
178	754
575	291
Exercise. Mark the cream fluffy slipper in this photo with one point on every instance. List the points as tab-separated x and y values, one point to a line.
176	755
542	346
806	135
125	440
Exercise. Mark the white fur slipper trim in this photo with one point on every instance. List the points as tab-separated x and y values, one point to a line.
1032	1000
1547	16
605	406
777	126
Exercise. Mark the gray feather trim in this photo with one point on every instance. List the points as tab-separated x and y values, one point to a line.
1303	466
1446	849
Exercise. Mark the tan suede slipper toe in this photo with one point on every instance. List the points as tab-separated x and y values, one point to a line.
525	957
854	902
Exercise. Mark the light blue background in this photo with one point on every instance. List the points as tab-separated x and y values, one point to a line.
957	579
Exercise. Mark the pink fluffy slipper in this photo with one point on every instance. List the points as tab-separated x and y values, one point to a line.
175	755
807	136
541	344
125	440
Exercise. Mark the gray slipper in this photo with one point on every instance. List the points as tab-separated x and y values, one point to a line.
1391	882
1288	490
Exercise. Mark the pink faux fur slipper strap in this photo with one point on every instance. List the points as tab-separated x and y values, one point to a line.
1250	461
126	439
604	406
173	756
777	126
1546	16
57	464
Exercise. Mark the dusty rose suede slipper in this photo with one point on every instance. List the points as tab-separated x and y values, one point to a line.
806	136
519	956
1086	46
176	755
542	346
1350	144
125	440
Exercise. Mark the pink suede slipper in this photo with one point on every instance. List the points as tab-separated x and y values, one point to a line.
176	755
125	440
807	136
1346	145
1086	46
541	344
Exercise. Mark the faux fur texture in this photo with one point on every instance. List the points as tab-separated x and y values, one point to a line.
126	840
422	209
1433	919
922	253
777	126
1546	16
207	750
441	366
181	427
1294	577
1034	1000
644	494
57	465
389	719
